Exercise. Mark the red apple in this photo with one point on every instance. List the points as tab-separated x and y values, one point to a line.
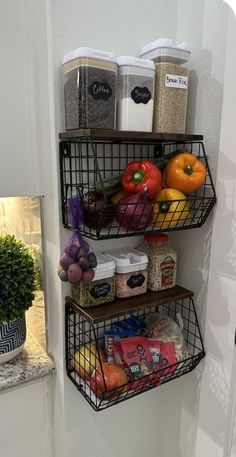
114	377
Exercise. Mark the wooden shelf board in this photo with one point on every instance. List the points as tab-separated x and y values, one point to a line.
128	305
119	136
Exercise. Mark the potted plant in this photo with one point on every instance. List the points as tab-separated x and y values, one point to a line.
17	285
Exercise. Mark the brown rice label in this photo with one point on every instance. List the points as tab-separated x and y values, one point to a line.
167	267
176	81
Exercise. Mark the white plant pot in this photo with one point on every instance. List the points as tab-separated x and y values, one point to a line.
12	338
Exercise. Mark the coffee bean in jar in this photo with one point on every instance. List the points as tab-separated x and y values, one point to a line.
162	261
89	89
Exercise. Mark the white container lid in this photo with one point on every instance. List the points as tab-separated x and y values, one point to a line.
128	260
135	62
105	267
90	53
163	47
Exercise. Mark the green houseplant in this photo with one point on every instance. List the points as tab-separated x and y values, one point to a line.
17	285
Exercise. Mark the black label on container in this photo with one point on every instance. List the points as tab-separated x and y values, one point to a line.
136	281
100	290
141	95
100	90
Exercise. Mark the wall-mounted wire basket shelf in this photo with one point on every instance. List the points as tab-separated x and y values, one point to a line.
89	157
85	329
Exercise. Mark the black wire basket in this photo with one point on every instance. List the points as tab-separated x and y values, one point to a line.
85	348
86	169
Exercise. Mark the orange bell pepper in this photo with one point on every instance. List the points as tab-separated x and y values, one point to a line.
170	209
185	172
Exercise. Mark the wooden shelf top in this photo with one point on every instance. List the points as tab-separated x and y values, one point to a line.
128	305
121	136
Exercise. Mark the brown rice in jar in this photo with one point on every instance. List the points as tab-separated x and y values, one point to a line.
131	272
162	260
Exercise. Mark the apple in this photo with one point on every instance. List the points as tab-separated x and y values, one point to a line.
114	377
86	359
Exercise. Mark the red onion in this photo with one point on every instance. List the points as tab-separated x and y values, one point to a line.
97	213
134	211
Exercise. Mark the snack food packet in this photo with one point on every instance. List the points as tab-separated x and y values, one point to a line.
164	329
163	355
136	355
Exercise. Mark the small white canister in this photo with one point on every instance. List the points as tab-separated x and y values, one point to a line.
131	272
135	94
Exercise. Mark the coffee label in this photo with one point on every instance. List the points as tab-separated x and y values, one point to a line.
176	81
100	90
141	95
136	281
100	290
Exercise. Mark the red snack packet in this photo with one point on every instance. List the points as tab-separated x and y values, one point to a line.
168	358
136	355
163	355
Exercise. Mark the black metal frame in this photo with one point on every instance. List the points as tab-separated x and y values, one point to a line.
81	333
85	163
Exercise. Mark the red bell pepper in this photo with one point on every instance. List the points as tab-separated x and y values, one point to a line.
140	175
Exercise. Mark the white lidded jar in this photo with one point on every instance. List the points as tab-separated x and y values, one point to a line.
135	94
90	77
171	84
101	289
131	272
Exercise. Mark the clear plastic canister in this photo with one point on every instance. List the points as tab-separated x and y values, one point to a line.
90	77
171	84
131	271
135	94
162	260
101	289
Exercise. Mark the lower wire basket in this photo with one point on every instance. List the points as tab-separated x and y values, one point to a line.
85	353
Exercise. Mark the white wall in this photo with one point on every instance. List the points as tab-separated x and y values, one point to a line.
161	422
170	412
218	395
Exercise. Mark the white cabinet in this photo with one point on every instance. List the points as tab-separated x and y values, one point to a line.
18	171
25	421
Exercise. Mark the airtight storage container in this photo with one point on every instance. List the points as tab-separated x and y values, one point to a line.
135	94
101	289
162	261
171	84
89	89
131	272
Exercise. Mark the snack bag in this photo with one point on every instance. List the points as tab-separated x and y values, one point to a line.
163	355
112	348
136	355
166	330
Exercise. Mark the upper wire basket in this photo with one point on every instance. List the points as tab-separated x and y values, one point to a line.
86	164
